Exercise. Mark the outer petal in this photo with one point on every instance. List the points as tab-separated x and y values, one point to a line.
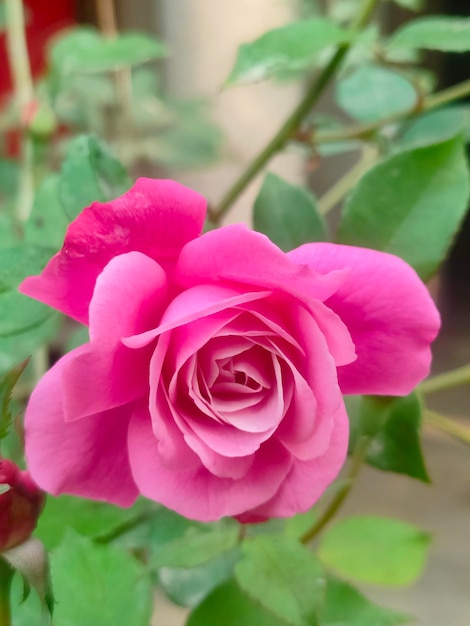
88	457
307	480
240	255
387	310
156	217
94	381
197	493
128	298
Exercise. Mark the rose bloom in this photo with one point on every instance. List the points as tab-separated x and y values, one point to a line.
21	503
213	379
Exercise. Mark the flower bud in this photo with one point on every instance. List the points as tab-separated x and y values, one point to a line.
21	502
39	119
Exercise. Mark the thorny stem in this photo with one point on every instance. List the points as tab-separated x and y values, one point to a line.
24	94
293	122
107	18
356	463
123	528
447	380
448	426
123	78
342	186
364	131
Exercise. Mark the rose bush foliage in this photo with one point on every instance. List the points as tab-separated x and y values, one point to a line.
214	375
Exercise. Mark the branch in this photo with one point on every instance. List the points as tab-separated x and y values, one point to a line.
293	122
24	95
365	131
336	193
447	426
356	463
107	23
454	378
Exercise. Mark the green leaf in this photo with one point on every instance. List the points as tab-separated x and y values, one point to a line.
393	426
436	127
289	49
20	261
85	50
346	606
26	612
411	205
7	384
375	550
99	585
87	517
159	526
18	312
188	587
287	214
166	525
195	547
17	347
47	223
372	93
283	576
448	34
229	606
189	140
9	235
9	177
79	336
299	524
90	173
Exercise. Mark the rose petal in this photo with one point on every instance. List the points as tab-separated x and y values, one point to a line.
87	457
387	310
94	381
307	480
197	493
128	299
156	217
194	304
235	253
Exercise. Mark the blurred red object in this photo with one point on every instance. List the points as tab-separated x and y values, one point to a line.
20	505
43	19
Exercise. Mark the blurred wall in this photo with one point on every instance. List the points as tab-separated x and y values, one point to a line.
204	37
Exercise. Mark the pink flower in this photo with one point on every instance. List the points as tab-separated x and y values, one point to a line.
214	375
21	503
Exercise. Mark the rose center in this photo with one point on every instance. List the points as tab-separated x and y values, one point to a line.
230	373
242	378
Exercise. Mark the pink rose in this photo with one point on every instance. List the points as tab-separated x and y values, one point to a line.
21	503
214	375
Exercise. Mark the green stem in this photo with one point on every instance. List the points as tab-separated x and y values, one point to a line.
364	131
446	96
342	186
24	93
125	527
6	576
356	463
454	378
293	122
448	426
107	22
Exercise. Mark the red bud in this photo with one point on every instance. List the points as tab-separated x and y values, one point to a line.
20	505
